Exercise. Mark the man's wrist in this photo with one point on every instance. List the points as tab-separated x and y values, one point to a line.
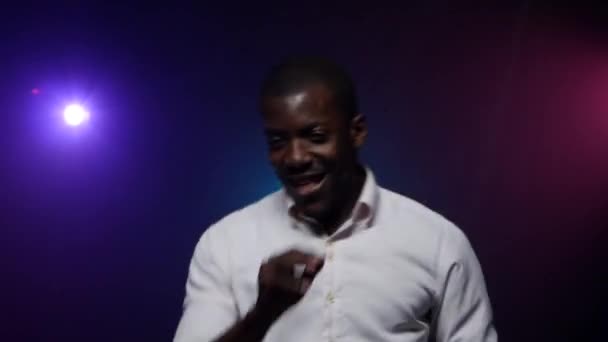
258	321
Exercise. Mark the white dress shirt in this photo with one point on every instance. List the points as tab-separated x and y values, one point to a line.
394	271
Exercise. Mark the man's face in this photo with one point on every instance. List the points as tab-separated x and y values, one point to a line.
310	147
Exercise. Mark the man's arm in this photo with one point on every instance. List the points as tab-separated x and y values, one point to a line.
209	306
252	328
463	311
278	290
210	312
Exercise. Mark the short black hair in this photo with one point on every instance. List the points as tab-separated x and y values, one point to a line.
295	73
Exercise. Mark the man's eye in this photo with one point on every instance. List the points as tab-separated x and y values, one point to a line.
275	141
318	137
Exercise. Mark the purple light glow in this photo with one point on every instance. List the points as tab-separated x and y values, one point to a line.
75	115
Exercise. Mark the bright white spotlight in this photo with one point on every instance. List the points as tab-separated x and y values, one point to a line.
75	115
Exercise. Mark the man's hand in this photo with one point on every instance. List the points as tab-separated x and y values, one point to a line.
279	287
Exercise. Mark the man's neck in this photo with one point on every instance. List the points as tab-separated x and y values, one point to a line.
345	206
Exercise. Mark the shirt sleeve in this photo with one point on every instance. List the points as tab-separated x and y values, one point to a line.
463	311
209	306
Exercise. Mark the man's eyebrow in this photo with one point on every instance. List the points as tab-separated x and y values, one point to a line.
312	126
309	127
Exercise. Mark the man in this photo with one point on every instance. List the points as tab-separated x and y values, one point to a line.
332	256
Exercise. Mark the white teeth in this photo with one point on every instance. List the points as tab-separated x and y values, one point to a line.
309	181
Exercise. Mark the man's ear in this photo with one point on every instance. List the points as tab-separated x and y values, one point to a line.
358	130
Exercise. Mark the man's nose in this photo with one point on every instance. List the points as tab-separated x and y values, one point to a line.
297	155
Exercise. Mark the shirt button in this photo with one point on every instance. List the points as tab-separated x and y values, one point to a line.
330	298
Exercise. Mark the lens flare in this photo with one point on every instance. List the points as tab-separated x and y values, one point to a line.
75	115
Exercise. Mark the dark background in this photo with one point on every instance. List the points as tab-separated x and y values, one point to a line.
495	116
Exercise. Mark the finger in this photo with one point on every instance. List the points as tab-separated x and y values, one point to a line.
286	261
314	265
271	277
305	285
295	255
298	270
288	283
310	268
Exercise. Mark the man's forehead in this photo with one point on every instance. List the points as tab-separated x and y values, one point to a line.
294	101
302	118
312	96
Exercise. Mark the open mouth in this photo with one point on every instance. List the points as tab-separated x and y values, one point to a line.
305	186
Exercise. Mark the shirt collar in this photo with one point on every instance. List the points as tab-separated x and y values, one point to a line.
363	212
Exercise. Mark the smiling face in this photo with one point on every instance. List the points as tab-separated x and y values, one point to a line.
313	149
